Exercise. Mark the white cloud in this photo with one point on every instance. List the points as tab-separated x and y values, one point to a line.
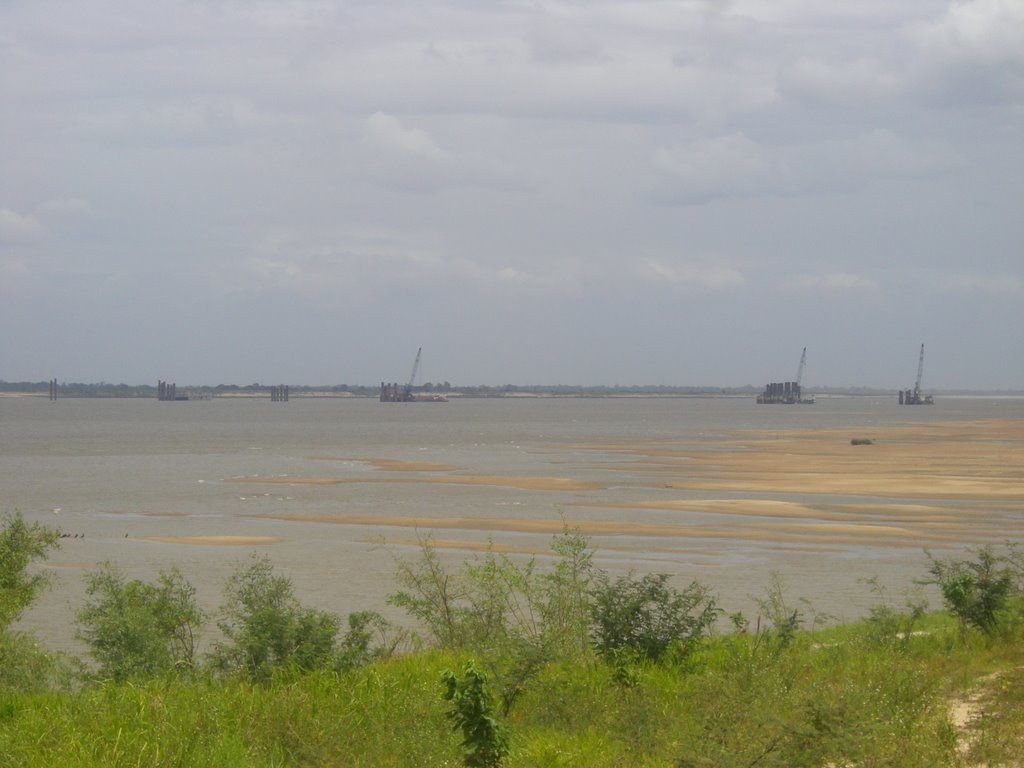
692	275
13	267
723	166
990	30
840	81
325	160
387	131
67	206
18	228
985	284
735	166
974	53
836	281
561	40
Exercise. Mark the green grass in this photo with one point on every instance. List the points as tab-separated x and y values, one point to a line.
843	696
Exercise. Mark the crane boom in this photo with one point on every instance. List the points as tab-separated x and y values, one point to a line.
920	373
800	369
412	376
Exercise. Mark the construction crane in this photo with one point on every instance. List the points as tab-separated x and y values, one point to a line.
914	396
787	392
920	373
407	392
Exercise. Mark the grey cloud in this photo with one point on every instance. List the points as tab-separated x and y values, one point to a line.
559	191
735	166
840	281
18	228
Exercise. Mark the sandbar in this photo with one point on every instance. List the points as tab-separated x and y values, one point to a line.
813	534
391	465
215	540
932	484
527	483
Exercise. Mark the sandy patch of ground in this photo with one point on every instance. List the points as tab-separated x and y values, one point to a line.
891	524
69	566
391	465
471	546
215	540
812	534
976	460
937	485
527	483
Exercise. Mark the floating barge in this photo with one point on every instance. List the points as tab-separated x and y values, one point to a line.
787	392
915	396
784	393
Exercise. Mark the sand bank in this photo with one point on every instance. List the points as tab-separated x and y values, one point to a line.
815	534
233	541
527	483
922	485
390	465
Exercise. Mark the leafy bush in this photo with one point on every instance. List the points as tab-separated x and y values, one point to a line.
494	605
357	648
137	629
516	616
978	592
28	668
484	739
21	544
433	596
24	665
647	616
565	593
888	625
267	628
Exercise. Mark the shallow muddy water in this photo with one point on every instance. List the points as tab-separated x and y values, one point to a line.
334	489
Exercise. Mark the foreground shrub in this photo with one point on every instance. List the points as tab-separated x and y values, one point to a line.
978	592
357	646
21	544
26	667
484	739
515	616
647	617
267	628
495	606
135	629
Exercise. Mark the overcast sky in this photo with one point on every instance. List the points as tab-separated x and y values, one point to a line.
631	192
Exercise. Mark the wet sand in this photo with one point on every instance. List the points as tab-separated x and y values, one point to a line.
968	460
935	485
494	481
220	541
728	508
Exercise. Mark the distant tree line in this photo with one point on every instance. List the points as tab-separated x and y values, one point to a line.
105	389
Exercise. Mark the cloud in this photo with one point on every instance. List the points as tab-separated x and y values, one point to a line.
13	267
985	284
723	166
841	82
735	166
974	53
836	281
325	161
67	206
562	40
692	275
17	228
991	30
388	132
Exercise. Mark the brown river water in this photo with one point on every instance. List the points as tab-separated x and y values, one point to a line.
335	490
